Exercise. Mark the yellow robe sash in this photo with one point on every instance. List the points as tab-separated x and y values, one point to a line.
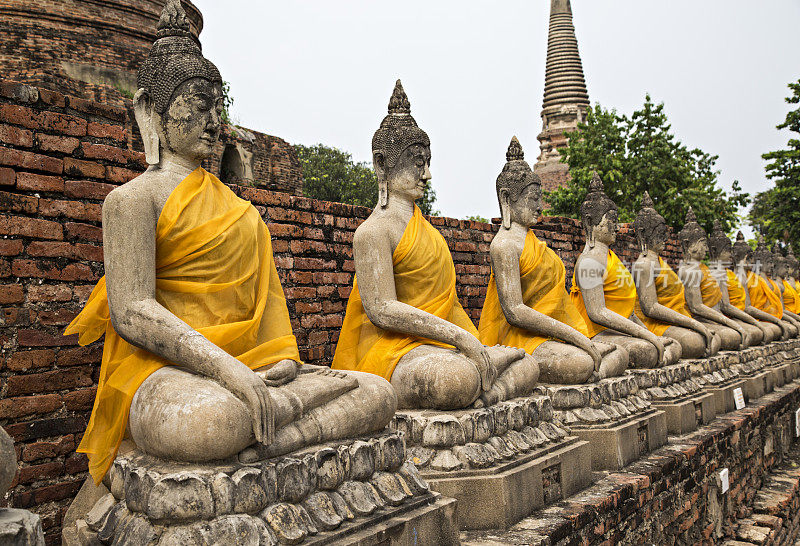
762	296
670	294
709	288
425	278
542	277
736	294
618	289
216	272
791	301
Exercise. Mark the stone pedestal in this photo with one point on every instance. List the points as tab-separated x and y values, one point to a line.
501	463
671	389
349	492
759	378
20	528
719	375
784	360
619	425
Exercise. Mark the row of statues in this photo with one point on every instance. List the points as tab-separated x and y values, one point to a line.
200	363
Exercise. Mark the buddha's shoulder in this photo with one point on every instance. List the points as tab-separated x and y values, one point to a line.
146	190
506	242
379	228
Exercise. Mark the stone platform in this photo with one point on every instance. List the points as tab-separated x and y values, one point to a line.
20	528
350	492
673	390
719	375
619	424
500	463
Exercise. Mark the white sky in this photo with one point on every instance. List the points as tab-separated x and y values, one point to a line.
322	71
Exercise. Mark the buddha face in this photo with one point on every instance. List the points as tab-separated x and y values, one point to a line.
606	231
410	176
697	250
528	206
725	256
780	268
190	126
658	237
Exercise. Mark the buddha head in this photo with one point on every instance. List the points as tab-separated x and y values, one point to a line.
741	251
693	238
791	262
779	264
599	215
179	102
763	258
651	228
720	248
401	152
519	189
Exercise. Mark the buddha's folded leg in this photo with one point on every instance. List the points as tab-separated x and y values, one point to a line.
435	378
366	409
518	379
614	362
181	416
643	354
790	327
673	351
772	332
755	336
729	338
563	364
693	345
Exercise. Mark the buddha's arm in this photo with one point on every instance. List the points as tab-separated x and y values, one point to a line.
694	301
372	253
589	273
505	264
644	278
130	253
730	310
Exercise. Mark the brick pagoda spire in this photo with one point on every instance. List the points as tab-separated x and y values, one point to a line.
565	96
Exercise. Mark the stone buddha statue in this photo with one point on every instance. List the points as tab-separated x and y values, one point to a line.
527	304
701	290
733	301
760	301
793	268
661	304
199	361
603	290
403	320
780	272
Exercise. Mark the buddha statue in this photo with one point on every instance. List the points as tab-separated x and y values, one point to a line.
793	271
199	361
527	304
760	301
603	290
733	295
661	304
780	272
403	320
701	290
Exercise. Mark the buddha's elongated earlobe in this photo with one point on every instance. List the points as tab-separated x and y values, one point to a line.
505	209
383	194
144	113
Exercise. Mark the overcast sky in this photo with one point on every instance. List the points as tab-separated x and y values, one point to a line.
322	71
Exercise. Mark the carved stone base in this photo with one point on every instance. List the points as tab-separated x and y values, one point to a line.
20	528
614	415
349	492
724	396
501	463
672	390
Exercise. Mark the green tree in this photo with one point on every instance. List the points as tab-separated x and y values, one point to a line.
331	174
638	153
776	212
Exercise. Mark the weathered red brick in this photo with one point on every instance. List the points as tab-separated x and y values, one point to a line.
49	292
8	177
104	130
22	361
53	98
15	136
30	160
84	189
76	210
63	124
102	151
14	408
84	231
80	400
11	293
77	167
15	202
19	115
30	227
56	317
108	111
10	247
39	182
48	450
55	380
76	463
57	143
29	474
120	175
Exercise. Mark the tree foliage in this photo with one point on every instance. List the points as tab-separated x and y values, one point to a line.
638	153
331	174
776	212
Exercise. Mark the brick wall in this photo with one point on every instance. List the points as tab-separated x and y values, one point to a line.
59	157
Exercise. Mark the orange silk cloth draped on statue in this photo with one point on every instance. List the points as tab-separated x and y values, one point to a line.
425	278
762	296
709	288
542	277
215	271
618	289
736	293
791	300
670	294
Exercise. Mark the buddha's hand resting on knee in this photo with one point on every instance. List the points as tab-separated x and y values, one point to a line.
279	373
708	335
743	335
248	387
475	351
